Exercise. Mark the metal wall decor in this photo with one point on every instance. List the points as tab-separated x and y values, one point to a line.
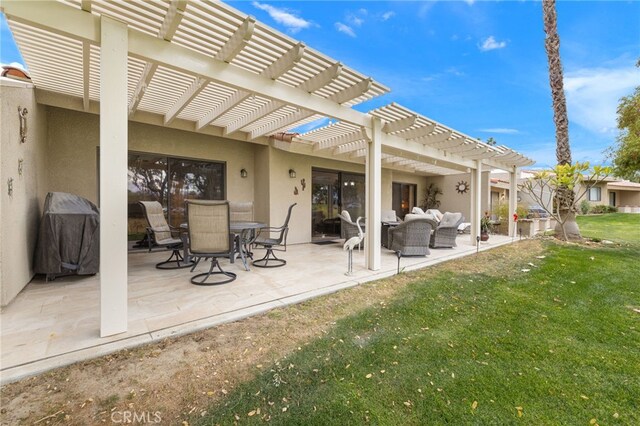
10	186
462	187
22	114
20	166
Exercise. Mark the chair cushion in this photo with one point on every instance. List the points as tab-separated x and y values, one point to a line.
450	219
345	214
388	216
417	210
436	213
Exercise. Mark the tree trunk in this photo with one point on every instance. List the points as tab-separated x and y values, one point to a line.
563	150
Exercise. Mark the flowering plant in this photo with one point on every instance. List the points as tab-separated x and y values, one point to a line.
485	223
515	217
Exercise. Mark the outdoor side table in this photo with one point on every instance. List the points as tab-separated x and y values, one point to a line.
384	232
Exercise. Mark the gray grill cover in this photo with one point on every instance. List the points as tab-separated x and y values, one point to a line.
69	236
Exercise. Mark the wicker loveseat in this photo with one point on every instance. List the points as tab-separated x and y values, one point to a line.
411	237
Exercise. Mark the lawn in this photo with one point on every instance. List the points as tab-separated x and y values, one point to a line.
550	337
614	227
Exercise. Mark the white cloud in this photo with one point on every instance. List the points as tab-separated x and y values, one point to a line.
470	2
593	95
345	29
282	16
490	43
354	20
501	130
388	15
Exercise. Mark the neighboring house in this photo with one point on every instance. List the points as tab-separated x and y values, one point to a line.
611	191
187	111
614	192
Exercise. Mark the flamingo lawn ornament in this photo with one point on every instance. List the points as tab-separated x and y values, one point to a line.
351	243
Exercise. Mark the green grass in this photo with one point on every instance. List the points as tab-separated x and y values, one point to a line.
561	342
618	227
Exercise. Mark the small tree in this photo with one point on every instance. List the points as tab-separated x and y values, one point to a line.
558	180
431	197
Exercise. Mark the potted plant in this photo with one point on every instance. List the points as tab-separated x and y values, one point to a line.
485	223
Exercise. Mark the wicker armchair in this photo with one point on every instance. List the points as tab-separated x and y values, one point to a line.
445	234
348	227
411	238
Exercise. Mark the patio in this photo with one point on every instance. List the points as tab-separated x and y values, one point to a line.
57	323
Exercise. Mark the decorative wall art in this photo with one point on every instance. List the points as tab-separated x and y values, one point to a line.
462	187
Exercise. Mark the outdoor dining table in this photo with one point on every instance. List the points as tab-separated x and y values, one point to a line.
246	232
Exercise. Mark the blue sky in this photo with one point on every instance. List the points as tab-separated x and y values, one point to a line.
479	67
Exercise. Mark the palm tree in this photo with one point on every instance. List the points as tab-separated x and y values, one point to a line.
563	150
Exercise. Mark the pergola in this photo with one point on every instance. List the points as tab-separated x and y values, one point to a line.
202	66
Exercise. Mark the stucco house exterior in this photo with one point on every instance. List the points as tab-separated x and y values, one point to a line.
115	98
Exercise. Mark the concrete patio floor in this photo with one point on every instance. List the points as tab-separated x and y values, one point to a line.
53	324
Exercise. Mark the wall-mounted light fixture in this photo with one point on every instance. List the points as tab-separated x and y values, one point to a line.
22	114
243	173
292	173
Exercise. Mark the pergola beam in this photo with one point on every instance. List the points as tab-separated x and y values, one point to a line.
311	85
280	123
323	78
438	137
350	147
352	92
86	73
401	124
357	135
419	133
192	91
79	25
168	28
280	66
237	41
285	62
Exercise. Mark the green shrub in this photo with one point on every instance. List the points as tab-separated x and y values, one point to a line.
585	206
601	208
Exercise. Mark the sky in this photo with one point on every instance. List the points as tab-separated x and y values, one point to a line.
477	66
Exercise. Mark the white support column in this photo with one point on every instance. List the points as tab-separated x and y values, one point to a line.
113	177
374	197
513	199
476	200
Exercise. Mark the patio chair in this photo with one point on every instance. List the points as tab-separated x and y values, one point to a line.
241	211
160	233
445	234
210	238
389	216
269	243
348	228
411	237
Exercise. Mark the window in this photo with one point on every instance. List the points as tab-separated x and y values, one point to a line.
170	181
403	198
594	194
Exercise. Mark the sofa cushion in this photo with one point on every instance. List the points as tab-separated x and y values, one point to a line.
436	213
417	210
450	219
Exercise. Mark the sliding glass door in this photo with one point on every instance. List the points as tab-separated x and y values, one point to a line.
404	198
170	181
331	192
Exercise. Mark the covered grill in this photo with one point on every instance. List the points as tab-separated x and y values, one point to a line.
69	236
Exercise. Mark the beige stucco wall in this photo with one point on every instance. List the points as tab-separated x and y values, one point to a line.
452	201
627	198
281	189
74	138
20	212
